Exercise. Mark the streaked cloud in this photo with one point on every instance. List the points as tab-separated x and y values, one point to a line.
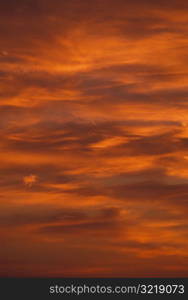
94	136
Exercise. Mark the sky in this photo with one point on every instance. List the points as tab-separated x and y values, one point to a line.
94	138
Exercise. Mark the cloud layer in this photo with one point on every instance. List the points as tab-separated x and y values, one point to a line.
94	138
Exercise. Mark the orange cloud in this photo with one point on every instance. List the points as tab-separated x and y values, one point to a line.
93	106
30	180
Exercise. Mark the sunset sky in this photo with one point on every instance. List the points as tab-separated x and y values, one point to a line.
94	138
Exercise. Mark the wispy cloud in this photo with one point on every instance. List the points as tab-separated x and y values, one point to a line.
94	136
